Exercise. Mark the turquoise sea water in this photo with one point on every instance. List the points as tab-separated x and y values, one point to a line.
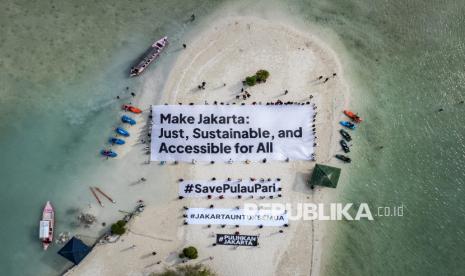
62	64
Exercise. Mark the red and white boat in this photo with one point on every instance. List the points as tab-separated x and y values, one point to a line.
46	225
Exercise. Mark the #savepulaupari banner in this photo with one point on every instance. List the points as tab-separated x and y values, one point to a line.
233	188
231	133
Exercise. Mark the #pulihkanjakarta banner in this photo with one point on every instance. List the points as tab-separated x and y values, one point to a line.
231	132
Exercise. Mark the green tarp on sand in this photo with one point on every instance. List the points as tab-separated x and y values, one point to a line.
326	176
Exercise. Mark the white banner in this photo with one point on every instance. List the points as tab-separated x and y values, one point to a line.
231	133
235	217
245	188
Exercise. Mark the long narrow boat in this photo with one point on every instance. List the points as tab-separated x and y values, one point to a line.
152	54
46	225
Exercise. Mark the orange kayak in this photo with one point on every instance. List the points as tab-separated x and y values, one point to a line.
132	109
353	116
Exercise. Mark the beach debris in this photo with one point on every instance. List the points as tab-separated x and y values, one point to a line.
63	237
96	196
87	219
104	194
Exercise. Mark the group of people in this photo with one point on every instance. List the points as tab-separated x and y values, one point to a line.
244	95
326	79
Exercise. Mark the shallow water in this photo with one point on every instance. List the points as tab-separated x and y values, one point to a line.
63	63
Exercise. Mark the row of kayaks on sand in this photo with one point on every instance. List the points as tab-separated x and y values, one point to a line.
355	119
121	131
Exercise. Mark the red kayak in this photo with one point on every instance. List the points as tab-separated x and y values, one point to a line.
353	116
132	109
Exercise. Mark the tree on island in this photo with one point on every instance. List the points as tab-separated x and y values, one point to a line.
260	76
187	270
118	227
189	252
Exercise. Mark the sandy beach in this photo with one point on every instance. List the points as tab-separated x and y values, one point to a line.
227	51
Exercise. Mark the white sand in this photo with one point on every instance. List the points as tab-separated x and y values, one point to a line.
227	51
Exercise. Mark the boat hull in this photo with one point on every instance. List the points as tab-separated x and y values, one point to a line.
47	225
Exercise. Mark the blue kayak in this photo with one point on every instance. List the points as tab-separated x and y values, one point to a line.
347	124
108	153
116	141
128	120
122	131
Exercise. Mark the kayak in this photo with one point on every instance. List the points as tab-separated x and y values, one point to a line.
353	116
344	146
128	120
108	153
122	131
347	124
116	141
132	109
343	158
345	135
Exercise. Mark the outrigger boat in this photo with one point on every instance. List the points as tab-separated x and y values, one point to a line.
345	135
343	158
46	225
132	109
347	124
152	54
353	116
128	120
122	131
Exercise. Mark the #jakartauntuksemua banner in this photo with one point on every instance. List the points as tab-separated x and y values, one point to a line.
235	217
233	188
231	132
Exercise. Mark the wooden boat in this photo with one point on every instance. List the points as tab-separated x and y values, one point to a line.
353	116
46	225
132	109
152	54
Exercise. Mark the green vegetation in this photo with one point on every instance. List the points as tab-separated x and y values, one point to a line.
260	76
118	227
189	252
187	270
251	81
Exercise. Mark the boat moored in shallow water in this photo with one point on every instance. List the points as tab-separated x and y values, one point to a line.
46	225
353	116
343	158
128	120
132	109
122	131
152	54
344	146
117	141
347	124
345	135
108	153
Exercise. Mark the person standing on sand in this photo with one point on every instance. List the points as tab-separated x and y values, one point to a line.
192	17
184	46
325	80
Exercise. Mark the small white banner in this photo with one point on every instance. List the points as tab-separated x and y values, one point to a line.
231	133
245	188
235	217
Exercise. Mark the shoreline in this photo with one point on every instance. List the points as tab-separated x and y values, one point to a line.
217	58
